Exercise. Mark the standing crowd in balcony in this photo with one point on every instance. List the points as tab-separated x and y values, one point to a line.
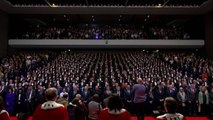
103	32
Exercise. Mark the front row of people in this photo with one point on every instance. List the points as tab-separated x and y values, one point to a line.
51	110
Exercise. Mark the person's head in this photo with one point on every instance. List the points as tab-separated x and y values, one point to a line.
170	105
64	90
78	96
181	89
51	94
76	101
10	90
22	116
20	91
96	98
1	103
139	80
65	95
115	103
203	88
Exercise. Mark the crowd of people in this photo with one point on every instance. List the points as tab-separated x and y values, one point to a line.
104	32
79	76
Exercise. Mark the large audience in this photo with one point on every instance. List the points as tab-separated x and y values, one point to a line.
104	32
186	77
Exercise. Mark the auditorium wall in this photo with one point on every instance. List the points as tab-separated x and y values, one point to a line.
3	34
209	34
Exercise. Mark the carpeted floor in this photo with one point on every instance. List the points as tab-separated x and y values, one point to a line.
146	118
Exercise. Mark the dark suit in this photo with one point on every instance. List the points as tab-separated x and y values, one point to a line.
192	97
127	99
171	93
30	99
86	95
159	96
19	102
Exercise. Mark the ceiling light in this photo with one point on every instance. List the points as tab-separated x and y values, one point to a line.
53	5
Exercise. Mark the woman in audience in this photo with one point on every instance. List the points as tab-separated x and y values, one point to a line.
115	110
171	106
4	115
10	103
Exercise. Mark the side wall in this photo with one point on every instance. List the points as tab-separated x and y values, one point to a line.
3	34
209	34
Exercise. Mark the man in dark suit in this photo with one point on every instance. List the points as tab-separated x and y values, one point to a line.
127	97
30	95
171	92
19	100
86	94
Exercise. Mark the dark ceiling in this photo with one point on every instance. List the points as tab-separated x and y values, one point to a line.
105	7
108	2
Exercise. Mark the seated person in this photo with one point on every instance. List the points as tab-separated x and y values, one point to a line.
170	106
114	110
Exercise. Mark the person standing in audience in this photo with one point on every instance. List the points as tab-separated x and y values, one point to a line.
73	92
170	106
30	97
63	92
51	110
4	115
85	94
203	100
182	100
192	96
10	101
94	108
63	100
127	98
171	92
76	110
159	95
150	102
2	90
19	100
139	98
114	110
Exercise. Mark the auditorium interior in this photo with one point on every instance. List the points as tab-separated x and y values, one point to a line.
102	47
